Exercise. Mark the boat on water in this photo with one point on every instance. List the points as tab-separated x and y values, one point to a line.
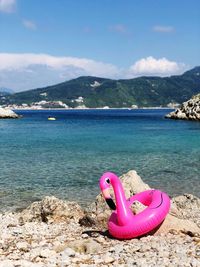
51	118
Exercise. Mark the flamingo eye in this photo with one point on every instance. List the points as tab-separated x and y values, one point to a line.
107	180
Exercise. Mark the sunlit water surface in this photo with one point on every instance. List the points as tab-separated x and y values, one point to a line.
66	157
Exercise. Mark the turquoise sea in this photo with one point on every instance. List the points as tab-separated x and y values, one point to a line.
66	157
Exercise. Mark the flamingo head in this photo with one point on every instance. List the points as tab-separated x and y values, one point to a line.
105	182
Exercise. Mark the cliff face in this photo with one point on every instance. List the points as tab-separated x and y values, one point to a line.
189	110
8	114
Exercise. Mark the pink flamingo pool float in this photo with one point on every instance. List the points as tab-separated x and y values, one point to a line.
123	224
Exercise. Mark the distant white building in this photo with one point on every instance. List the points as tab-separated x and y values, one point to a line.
79	99
173	105
134	106
44	94
95	84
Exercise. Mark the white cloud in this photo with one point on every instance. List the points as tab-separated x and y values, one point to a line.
7	6
153	66
164	29
29	24
27	71
18	61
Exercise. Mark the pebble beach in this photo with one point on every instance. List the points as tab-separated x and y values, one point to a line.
61	244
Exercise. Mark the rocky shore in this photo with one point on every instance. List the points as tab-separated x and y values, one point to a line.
189	110
53	232
8	114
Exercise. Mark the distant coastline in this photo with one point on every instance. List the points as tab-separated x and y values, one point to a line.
102	108
96	92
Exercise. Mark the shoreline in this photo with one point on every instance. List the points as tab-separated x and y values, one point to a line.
83	204
53	232
65	109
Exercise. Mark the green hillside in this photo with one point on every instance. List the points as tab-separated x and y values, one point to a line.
99	92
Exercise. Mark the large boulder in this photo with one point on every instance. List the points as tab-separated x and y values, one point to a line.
184	215
8	114
189	110
188	207
51	209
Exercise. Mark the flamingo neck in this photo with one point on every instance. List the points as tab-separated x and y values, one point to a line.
123	211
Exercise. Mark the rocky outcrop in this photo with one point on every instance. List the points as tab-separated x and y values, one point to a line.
8	114
189	110
188	207
52	209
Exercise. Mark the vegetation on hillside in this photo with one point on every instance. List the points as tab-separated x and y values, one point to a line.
99	92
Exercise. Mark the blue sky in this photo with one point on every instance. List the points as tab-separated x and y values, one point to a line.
50	41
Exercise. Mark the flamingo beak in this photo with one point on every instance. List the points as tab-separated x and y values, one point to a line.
108	199
106	193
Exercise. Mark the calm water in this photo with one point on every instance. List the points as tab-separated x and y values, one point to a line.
66	157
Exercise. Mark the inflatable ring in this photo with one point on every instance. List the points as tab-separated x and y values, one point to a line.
123	224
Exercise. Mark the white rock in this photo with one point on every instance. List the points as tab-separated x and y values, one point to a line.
108	259
23	246
7	113
68	252
6	263
47	253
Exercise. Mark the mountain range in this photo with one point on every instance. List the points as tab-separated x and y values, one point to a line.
5	91
99	92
